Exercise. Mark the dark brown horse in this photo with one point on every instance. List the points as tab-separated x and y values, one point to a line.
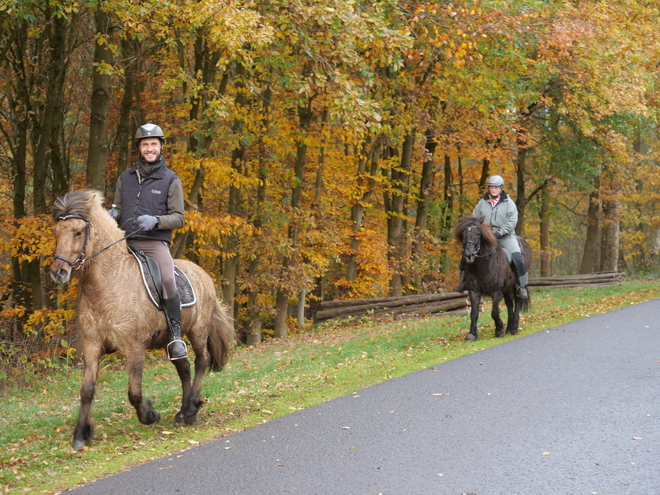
115	311
488	272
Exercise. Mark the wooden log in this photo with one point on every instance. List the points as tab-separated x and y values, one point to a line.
346	310
422	308
394	301
563	283
585	278
576	286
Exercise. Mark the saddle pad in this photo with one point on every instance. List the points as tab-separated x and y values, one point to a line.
183	285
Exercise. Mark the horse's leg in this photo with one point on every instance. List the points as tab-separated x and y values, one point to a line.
495	314
512	308
145	411
474	316
82	434
191	401
183	370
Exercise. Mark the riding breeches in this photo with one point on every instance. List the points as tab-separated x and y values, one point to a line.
160	251
510	243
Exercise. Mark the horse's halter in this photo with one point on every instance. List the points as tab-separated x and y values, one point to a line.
80	261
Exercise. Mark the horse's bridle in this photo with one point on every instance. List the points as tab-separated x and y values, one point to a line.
477	246
80	261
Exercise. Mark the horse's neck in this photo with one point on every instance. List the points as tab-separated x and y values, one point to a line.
115	267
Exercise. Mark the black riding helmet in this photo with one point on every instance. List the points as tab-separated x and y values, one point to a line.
149	131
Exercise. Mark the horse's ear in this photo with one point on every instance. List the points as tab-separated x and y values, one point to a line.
481	219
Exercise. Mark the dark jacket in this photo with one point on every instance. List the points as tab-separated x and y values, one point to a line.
160	194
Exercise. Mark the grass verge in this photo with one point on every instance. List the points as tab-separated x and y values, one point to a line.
261	383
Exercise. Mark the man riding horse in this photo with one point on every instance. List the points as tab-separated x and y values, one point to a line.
149	197
500	212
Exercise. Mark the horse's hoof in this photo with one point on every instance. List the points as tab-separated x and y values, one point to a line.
182	419
499	335
153	416
470	337
513	331
79	444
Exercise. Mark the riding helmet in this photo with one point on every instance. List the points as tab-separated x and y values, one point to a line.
495	181
148	131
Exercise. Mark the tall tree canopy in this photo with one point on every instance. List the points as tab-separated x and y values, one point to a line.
327	147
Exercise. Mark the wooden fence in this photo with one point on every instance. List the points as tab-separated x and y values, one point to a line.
423	304
600	279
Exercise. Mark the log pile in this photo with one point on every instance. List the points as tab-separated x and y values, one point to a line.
600	279
423	304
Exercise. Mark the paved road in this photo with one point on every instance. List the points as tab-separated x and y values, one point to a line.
573	410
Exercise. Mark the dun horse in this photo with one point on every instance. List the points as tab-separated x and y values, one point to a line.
115	311
488	273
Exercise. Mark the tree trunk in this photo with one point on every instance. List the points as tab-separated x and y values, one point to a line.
234	203
521	198
55	76
365	181
97	153
546	257
425	184
396	226
305	117
448	197
485	172
59	162
611	226
125	127
593	228
254	327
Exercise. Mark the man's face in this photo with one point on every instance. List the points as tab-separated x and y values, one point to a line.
494	191
150	149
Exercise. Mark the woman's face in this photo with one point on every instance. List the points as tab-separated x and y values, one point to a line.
494	191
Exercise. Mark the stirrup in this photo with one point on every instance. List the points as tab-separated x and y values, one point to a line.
185	348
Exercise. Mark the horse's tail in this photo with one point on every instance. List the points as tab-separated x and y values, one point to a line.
221	338
525	304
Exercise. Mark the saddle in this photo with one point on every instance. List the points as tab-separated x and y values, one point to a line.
151	277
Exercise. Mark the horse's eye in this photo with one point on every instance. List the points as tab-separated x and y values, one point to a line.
78	234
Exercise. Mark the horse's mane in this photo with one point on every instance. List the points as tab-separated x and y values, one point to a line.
88	204
75	203
488	239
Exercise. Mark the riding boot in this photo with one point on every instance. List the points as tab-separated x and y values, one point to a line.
177	348
520	268
461	282
461	277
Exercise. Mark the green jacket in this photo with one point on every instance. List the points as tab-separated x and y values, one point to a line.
502	219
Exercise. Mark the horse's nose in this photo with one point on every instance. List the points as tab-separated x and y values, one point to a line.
60	275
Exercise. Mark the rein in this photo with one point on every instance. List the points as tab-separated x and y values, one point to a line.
81	260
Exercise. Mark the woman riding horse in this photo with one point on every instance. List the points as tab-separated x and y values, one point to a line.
500	212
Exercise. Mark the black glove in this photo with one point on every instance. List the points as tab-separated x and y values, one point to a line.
147	222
